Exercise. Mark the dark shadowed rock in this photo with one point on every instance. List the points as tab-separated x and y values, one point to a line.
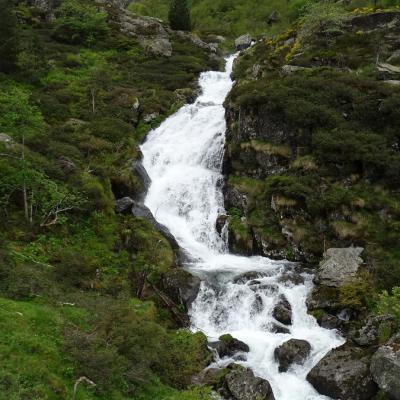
243	42
123	205
227	346
294	351
221	222
214	377
283	311
248	276
276	328
385	368
344	374
244	385
142	173
141	211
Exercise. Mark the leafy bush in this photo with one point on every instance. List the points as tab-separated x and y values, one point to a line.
80	23
179	15
390	303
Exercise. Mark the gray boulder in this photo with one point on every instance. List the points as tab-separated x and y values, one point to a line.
339	266
123	205
294	351
283	311
243	42
158	46
376	328
7	140
385	369
344	374
244	385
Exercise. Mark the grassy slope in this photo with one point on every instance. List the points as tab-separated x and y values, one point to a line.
81	154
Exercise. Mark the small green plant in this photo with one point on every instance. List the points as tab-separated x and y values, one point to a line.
390	303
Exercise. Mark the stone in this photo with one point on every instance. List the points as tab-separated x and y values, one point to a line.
385	369
243	42
150	117
291	69
123	205
294	351
388	71
376	328
221	222
7	140
339	266
248	276
244	385
277	328
344	374
159	46
227	346
283	311
214	377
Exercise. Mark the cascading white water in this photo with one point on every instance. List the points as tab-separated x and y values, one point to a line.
183	158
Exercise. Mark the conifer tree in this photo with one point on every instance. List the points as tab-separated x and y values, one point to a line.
179	16
8	38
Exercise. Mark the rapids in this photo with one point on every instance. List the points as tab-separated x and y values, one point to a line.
183	158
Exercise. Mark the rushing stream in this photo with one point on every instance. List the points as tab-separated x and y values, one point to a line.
183	158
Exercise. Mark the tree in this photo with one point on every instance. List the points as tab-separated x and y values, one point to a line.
8	36
179	16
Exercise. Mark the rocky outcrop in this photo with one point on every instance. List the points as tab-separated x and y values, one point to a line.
123	205
377	328
242	384
294	351
228	346
344	374
385	368
339	266
283	311
243	42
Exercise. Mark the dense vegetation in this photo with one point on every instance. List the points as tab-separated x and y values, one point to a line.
322	111
78	282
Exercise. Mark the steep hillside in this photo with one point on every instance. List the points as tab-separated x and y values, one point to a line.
87	289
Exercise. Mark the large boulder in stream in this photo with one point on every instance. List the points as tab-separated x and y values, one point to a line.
283	311
294	351
344	374
228	346
244	385
243	42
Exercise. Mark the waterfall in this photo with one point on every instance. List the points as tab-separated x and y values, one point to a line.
183	158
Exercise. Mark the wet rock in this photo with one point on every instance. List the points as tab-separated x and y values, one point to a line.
221	222
142	173
244	385
294	351
181	286
276	328
339	266
377	328
293	278
344	374
283	311
243	42
234	198
227	346
123	205
385	368
248	276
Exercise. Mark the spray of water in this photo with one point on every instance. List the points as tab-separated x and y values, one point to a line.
183	158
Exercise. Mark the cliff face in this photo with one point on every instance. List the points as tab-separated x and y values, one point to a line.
312	155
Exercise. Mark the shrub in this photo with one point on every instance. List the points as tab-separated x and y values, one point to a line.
80	23
390	303
179	16
8	36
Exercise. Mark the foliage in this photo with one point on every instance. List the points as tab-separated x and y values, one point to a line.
390	303
80	23
179	15
8	36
